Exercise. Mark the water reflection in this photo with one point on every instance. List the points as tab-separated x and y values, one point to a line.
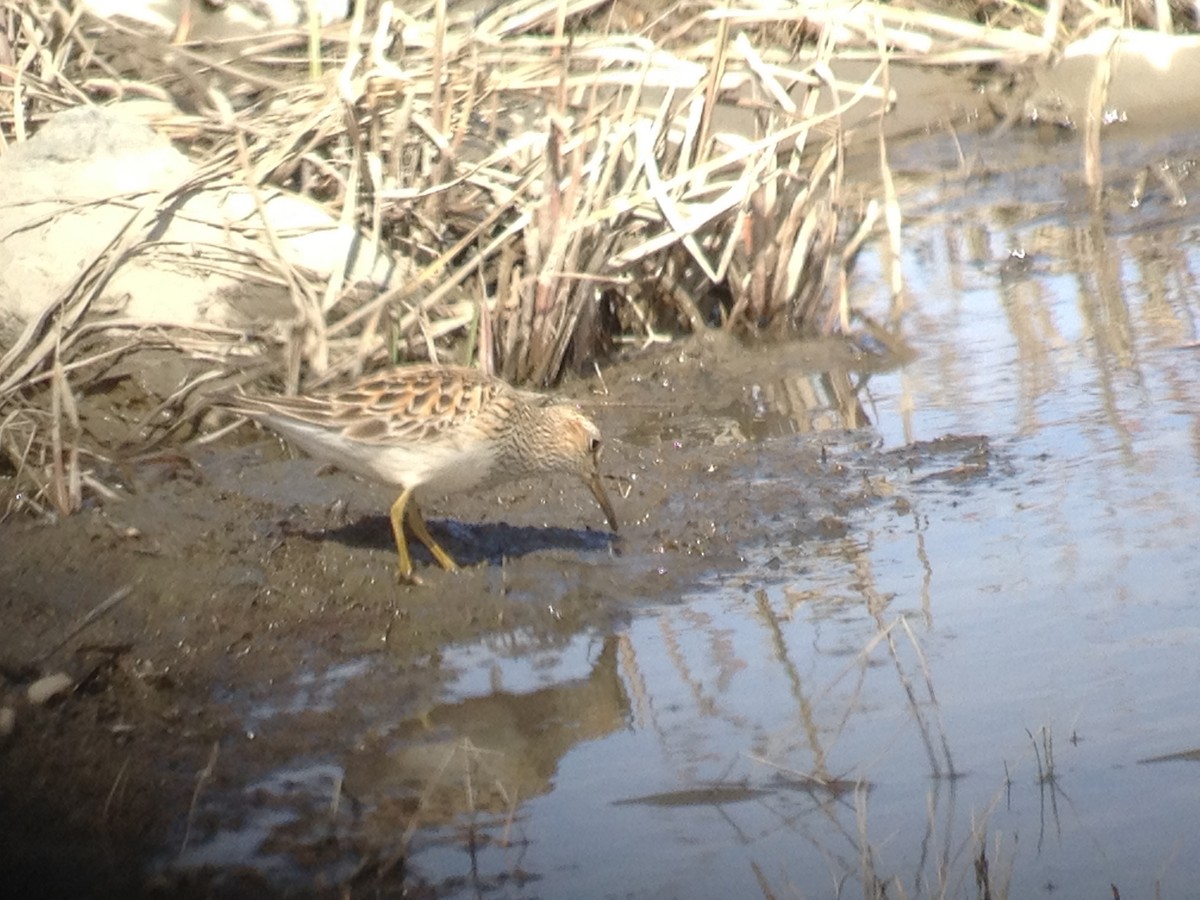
960	643
803	402
489	753
982	656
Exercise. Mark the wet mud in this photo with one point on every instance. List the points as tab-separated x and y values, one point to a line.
200	619
242	669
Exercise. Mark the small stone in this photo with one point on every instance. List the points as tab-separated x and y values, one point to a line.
8	721
49	688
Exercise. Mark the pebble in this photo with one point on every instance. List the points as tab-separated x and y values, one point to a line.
49	688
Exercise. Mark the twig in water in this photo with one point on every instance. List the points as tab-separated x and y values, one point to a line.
201	779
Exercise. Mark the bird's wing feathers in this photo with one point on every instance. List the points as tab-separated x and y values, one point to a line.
391	407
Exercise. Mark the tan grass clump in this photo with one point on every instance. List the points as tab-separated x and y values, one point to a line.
558	177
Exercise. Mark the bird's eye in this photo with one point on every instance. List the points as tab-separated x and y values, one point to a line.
595	446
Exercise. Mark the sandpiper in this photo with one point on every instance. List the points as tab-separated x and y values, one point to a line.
440	429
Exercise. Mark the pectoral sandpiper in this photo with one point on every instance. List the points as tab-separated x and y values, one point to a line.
440	429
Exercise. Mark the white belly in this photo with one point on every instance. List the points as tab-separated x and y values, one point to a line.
438	468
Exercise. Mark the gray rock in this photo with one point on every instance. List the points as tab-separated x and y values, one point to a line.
71	189
51	687
212	20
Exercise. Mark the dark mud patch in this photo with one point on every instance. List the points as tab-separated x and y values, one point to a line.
263	710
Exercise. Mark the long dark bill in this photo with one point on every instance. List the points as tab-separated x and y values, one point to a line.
597	490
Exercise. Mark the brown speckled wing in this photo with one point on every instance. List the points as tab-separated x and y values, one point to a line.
396	406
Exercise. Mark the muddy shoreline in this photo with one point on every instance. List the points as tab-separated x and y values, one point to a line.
247	566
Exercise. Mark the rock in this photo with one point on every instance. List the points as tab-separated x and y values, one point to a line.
8	721
217	19
1152	85
62	204
50	224
49	688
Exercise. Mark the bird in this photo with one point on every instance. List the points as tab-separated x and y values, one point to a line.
436	429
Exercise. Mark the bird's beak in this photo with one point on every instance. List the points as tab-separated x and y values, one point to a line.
597	489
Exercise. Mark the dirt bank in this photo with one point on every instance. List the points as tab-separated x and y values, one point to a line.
231	570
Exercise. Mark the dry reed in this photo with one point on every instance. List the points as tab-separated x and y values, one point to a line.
556	176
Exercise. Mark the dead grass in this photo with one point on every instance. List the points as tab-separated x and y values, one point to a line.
559	177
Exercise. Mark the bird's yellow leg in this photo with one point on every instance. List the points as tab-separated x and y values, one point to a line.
417	524
397	517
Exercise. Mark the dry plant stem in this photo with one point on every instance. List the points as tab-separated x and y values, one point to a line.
620	165
72	303
763	884
311	341
1093	170
335	798
174	402
68	491
711	88
843	309
118	782
436	271
201	780
19	455
94	614
314	40
1052	21
682	298
365	166
893	244
415	822
439	111
927	676
197	62
813	735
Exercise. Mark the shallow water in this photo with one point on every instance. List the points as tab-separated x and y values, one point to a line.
925	647
997	659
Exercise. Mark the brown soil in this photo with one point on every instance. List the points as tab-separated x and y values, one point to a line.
245	567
